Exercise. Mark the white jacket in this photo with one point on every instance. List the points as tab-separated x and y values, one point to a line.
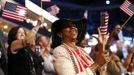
64	65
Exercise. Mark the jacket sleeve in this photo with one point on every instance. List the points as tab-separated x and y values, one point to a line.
62	62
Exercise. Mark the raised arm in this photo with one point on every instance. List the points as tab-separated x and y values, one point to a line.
129	58
101	55
28	40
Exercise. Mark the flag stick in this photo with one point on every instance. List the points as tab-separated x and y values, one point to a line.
41	4
114	33
126	21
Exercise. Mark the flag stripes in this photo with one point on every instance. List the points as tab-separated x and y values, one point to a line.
104	23
128	8
14	11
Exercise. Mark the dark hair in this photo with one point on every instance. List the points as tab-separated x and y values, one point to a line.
59	25
81	24
12	34
38	39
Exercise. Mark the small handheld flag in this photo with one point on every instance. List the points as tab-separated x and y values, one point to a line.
104	22
14	11
128	8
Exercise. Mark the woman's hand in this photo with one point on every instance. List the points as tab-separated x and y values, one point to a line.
102	58
102	39
129	58
41	20
132	50
115	57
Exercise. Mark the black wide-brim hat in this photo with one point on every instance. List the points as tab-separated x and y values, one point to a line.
59	25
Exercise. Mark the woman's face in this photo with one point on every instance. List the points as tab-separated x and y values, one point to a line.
70	33
20	34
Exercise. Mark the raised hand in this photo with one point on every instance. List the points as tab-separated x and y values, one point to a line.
41	20
132	49
129	58
102	58
102	38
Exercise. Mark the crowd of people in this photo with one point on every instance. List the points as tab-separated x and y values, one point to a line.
30	53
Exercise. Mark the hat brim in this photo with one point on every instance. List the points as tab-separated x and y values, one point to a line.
81	25
56	27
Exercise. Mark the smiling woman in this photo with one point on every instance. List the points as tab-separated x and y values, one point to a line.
70	59
64	23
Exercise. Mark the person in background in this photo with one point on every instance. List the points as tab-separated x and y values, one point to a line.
3	59
129	62
21	46
120	45
127	67
43	42
70	59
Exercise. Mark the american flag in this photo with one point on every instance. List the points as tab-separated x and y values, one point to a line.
104	22
14	11
53	10
127	7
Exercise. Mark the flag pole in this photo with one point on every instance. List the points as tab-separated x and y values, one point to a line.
126	21
41	3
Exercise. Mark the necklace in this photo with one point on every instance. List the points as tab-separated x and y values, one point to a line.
72	46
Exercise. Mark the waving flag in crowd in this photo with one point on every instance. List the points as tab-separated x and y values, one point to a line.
104	22
14	11
53	10
127	7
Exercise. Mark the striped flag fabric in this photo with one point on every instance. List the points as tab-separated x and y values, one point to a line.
53	10
127	7
104	22
14	11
